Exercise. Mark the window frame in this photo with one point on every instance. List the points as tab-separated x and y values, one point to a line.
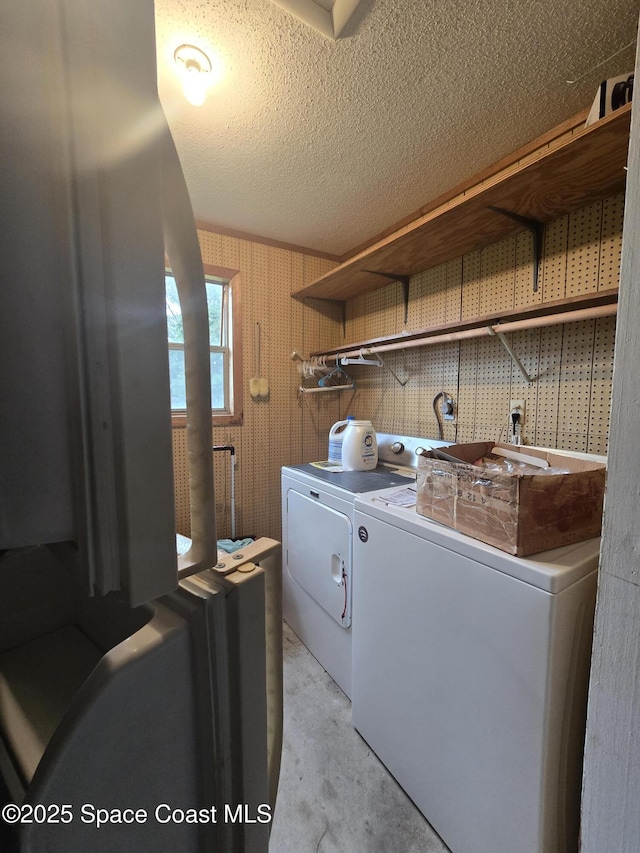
235	416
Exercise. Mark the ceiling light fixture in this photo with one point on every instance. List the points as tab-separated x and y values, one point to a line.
194	67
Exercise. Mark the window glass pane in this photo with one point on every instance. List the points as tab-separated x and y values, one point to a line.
217	380
177	379
218	308
214	301
174	314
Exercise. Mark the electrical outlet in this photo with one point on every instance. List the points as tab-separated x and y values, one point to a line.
448	408
517	406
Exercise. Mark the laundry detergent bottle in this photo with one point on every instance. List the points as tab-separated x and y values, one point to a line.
336	435
359	446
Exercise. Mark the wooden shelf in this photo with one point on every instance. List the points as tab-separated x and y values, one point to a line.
603	303
557	178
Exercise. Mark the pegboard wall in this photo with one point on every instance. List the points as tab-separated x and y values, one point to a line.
567	406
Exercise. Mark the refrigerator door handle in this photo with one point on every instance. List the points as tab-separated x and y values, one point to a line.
183	251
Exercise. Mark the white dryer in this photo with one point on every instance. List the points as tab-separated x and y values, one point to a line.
470	674
317	545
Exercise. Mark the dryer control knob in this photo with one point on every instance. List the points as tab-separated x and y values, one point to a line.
420	451
397	447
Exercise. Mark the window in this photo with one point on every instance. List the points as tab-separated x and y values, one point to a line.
223	298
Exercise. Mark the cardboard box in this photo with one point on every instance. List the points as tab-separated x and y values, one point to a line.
523	512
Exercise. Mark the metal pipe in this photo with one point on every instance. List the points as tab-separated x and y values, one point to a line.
232	478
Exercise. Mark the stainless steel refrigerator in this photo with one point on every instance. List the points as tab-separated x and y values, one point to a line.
133	709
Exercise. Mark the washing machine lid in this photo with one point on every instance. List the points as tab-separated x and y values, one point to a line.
551	571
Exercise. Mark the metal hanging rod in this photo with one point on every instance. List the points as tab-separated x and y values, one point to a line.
591	313
327	388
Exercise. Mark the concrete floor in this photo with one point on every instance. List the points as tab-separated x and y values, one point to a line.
335	796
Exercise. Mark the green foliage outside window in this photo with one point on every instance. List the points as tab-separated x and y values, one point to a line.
219	323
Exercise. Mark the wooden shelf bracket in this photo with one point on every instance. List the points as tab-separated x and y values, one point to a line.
537	230
404	281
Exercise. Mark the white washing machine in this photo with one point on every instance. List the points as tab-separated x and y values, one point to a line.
317	545
470	674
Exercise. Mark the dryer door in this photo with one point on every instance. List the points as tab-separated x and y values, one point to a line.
319	544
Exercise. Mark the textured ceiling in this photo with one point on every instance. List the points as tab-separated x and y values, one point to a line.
325	143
